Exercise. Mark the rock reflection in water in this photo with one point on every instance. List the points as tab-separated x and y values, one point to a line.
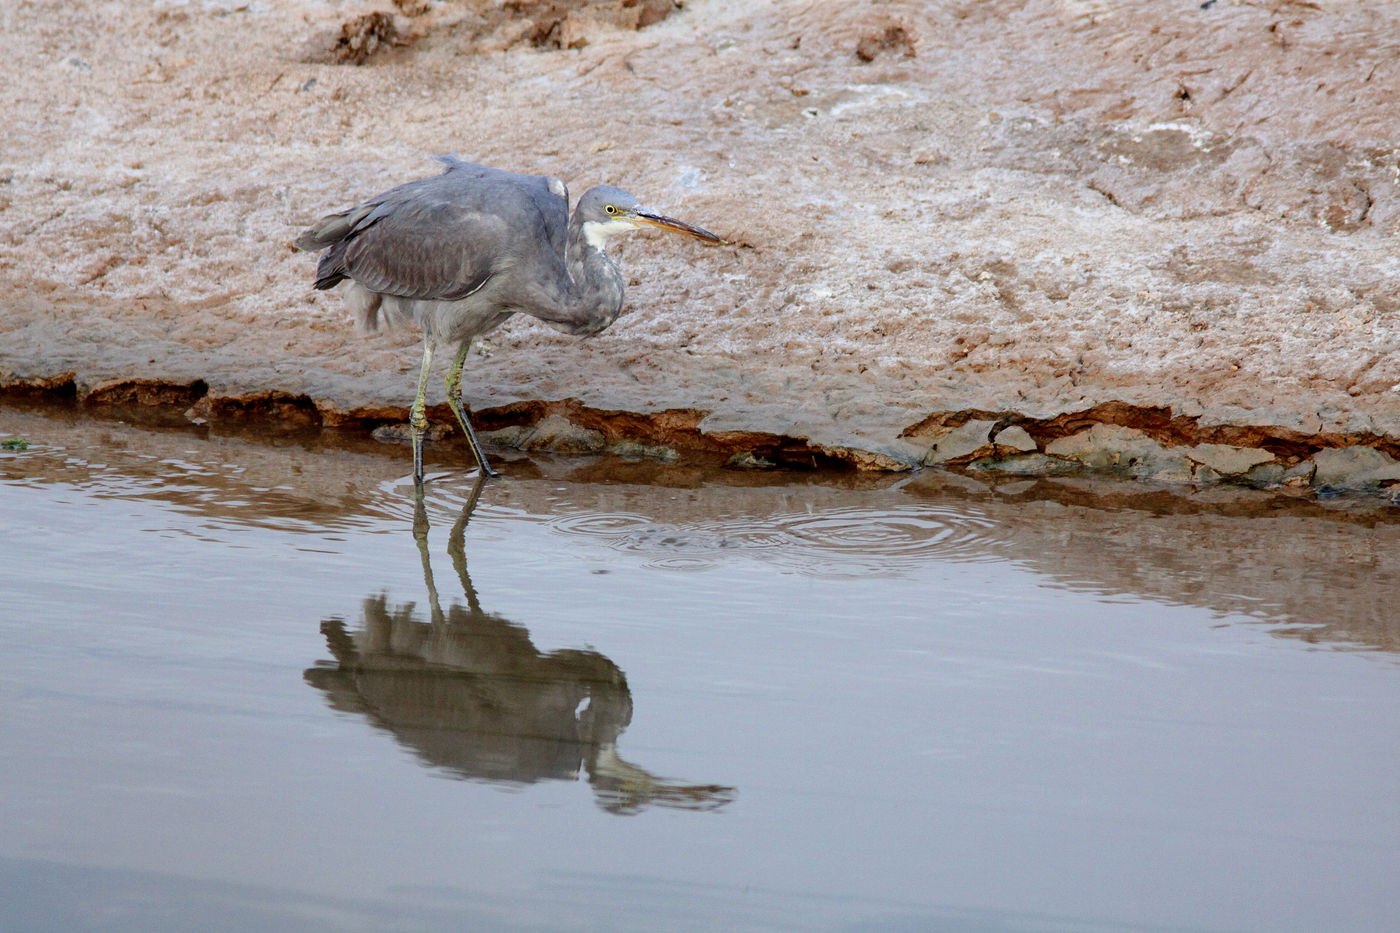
468	692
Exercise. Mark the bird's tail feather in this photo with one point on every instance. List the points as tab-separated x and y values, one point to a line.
331	229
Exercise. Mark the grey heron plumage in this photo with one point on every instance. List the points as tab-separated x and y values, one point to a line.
460	252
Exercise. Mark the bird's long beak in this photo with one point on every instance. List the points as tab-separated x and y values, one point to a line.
670	223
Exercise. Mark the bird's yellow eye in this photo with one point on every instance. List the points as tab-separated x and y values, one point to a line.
610	209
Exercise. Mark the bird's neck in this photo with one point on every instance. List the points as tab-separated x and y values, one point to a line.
595	298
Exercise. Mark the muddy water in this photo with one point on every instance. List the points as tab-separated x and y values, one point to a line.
248	685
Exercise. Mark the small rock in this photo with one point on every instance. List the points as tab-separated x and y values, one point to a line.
1226	460
361	37
1206	475
514	436
1265	474
748	460
1353	468
558	433
894	38
863	459
1101	445
635	450
1300	474
1114	447
1031	464
962	441
1017	438
907	450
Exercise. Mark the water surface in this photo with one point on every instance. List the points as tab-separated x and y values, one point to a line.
252	685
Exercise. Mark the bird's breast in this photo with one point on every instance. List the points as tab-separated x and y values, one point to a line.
455	321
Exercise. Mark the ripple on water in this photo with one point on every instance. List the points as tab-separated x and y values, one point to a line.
832	542
610	527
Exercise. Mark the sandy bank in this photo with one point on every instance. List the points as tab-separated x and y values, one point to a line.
1042	216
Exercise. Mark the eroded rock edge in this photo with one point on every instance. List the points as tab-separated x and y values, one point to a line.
1151	443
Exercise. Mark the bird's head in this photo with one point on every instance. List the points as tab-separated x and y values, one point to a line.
606	211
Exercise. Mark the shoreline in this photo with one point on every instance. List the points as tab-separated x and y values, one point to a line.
1113	440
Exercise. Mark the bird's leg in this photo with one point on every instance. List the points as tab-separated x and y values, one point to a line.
454	399
418	414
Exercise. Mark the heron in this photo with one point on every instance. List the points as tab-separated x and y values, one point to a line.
460	252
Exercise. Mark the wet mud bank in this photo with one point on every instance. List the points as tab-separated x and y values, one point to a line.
1114	439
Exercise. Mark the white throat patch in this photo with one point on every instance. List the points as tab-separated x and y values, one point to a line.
597	233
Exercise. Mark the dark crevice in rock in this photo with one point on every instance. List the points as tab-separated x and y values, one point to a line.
62	387
277	410
143	393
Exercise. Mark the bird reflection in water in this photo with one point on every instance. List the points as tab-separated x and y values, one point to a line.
469	693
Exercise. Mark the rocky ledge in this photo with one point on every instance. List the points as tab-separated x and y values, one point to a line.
1112	440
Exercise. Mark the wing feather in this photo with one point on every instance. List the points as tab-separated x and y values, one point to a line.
444	237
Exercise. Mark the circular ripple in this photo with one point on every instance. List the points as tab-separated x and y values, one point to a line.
609	526
847	541
746	533
942	531
680	563
865	541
